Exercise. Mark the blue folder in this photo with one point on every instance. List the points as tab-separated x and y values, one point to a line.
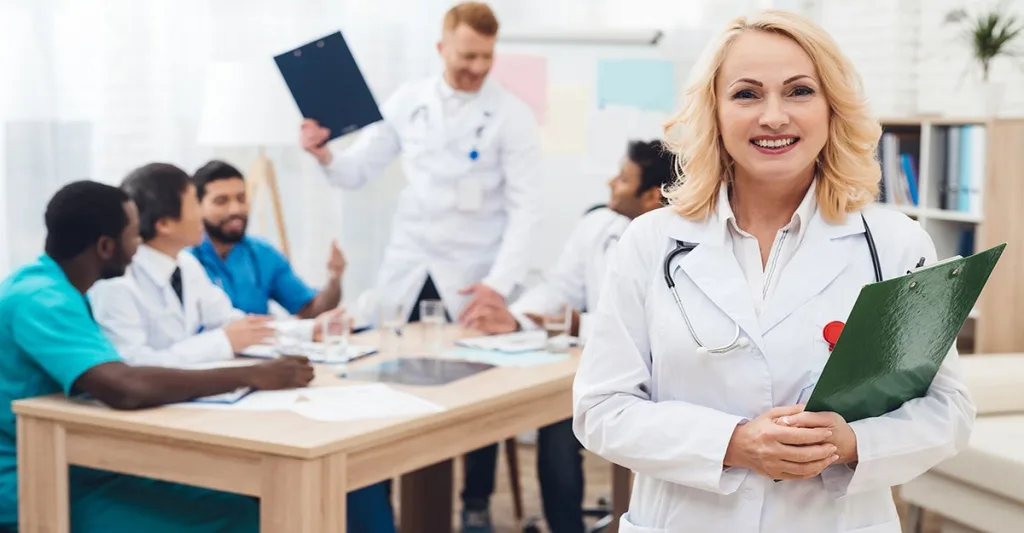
328	86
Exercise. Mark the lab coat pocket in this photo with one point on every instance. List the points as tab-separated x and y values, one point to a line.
625	526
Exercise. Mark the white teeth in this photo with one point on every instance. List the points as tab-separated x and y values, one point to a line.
778	143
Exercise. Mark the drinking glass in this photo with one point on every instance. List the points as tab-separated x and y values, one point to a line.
557	325
392	320
335	333
432	320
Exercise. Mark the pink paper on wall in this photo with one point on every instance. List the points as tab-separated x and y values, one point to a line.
526	77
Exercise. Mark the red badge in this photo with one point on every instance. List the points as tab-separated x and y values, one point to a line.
831	333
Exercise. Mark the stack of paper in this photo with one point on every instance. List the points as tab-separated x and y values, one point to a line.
346	404
315	351
525	341
519	359
331	404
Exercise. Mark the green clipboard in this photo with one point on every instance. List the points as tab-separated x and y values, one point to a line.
897	336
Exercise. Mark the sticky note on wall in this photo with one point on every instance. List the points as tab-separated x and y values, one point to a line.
646	84
526	77
567	126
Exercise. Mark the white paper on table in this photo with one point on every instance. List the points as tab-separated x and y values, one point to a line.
261	400
360	402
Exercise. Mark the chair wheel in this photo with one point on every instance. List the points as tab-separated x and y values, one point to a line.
531	528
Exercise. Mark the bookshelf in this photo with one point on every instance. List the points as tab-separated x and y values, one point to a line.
962	180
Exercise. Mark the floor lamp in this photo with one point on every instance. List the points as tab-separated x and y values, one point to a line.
246	104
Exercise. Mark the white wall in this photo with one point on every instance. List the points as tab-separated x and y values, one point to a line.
912	62
134	70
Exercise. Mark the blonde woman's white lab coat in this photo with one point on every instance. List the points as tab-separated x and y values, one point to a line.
643	397
459	219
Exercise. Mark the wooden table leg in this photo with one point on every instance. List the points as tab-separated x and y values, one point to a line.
427	499
42	477
303	496
621	488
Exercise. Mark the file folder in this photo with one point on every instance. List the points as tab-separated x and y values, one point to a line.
328	86
897	336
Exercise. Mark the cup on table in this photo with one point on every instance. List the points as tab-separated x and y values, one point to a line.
392	320
557	325
335	335
432	320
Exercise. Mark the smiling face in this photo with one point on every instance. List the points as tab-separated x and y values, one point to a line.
468	56
772	113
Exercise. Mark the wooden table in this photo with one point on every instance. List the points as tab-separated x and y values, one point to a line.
299	468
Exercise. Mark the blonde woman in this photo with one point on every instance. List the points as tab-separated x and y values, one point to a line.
770	233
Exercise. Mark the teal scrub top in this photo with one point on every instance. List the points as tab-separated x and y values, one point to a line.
252	274
48	339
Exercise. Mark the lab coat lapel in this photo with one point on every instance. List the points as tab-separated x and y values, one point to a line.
713	268
818	261
478	115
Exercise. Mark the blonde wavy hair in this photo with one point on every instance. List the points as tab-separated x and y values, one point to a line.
847	170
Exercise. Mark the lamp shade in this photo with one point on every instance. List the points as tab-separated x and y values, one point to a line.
248	104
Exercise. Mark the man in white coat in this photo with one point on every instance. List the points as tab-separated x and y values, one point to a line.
466	221
576	281
470	153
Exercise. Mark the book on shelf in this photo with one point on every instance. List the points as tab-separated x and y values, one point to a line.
899	156
961	172
956	168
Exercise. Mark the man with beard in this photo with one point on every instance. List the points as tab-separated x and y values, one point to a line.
165	311
250	270
49	343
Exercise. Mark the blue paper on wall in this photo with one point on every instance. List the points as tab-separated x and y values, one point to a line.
647	84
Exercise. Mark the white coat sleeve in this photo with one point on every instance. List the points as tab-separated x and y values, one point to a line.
520	165
614	414
565	283
372	151
119	315
897	447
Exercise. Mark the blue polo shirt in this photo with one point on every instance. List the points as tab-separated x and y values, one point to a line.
48	339
252	274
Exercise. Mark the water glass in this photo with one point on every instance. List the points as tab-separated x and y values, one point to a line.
392	320
432	320
335	333
557	326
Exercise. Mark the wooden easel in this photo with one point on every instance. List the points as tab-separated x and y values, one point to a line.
262	176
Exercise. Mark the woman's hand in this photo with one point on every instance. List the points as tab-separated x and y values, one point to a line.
780	451
842	437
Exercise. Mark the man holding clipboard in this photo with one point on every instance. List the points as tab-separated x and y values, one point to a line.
470	151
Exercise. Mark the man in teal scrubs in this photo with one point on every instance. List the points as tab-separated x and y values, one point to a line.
50	344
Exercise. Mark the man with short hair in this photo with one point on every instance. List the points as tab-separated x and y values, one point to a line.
466	223
165	311
249	269
576	281
49	343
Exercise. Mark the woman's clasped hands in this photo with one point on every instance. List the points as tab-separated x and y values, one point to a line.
790	443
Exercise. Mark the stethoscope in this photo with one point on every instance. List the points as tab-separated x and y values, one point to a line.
423	113
683	247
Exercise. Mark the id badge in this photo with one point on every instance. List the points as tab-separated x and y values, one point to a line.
469	195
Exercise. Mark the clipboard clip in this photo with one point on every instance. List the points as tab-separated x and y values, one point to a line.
920	263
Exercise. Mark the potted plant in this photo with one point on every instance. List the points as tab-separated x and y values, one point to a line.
990	34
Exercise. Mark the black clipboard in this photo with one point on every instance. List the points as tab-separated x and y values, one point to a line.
328	86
